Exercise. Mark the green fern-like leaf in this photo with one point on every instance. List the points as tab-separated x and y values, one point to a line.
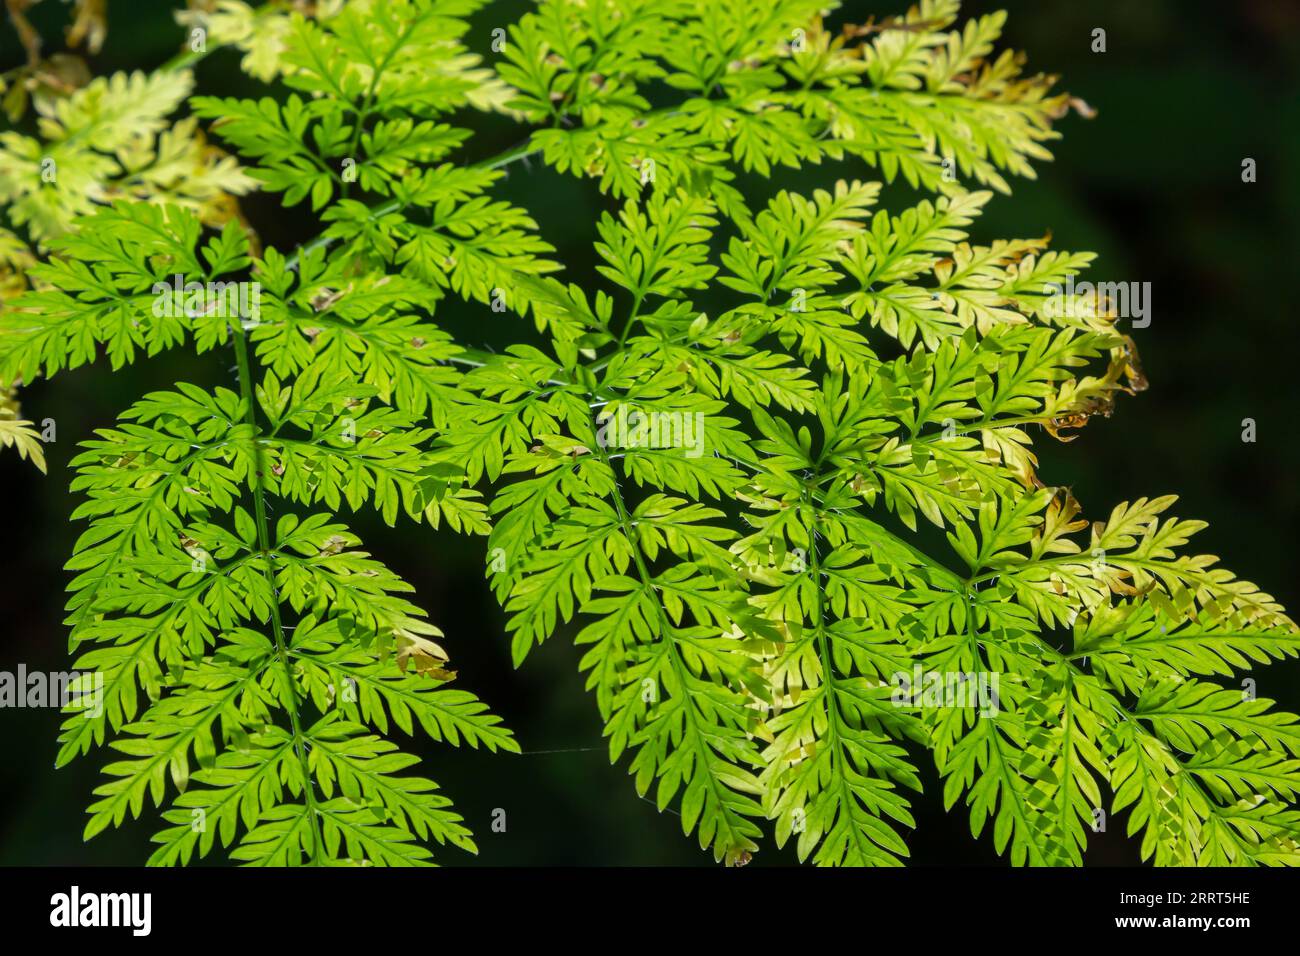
773	471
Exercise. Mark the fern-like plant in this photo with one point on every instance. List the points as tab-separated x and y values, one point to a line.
712	470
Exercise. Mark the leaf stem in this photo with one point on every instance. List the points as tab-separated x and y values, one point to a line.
834	723
733	840
277	624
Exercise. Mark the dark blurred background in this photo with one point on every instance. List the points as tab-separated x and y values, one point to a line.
1184	92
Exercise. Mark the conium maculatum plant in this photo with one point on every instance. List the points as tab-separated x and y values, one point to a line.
773	473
